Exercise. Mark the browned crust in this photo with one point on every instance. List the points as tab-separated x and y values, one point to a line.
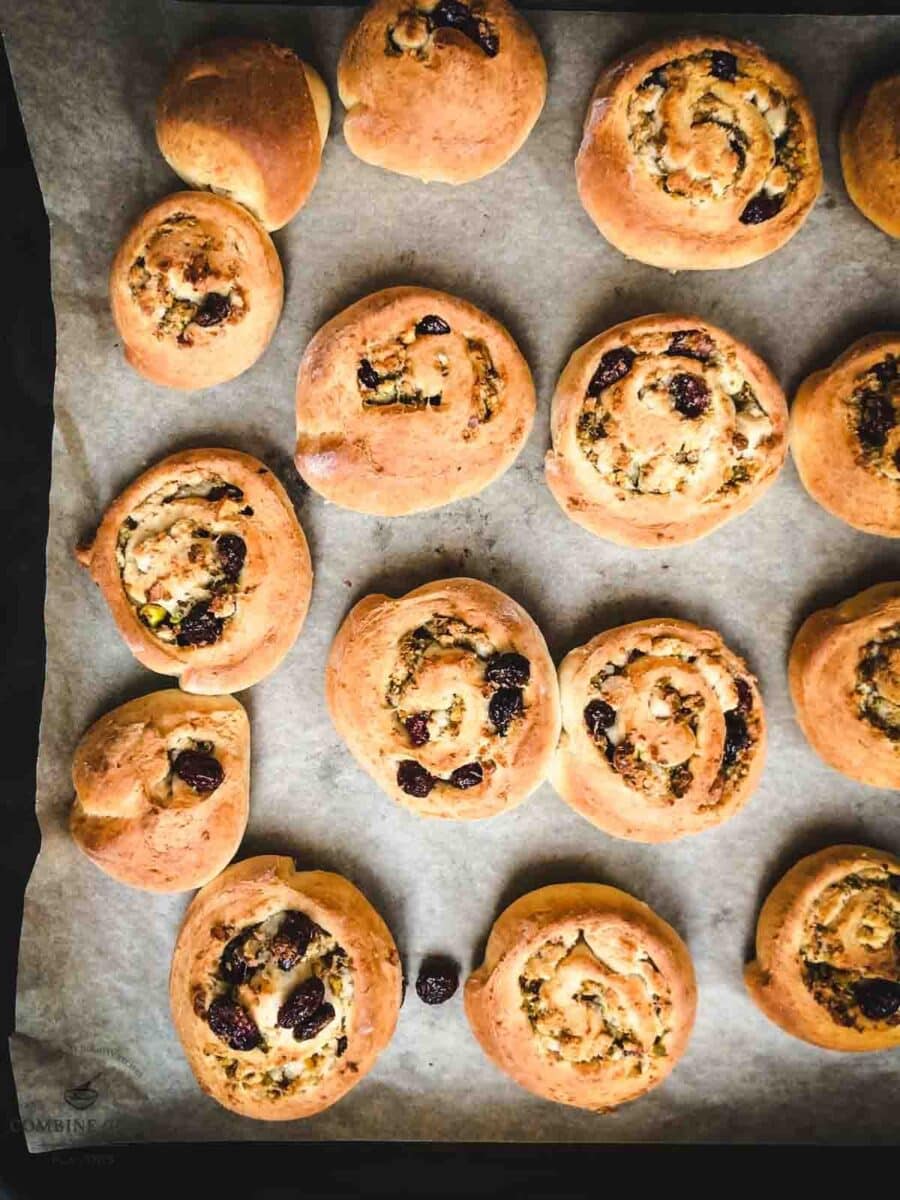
120	820
452	118
664	230
362	657
649	521
773	978
248	892
827	452
391	460
822	677
224	351
278	579
870	135
493	1003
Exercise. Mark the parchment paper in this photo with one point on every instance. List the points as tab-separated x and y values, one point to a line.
92	1002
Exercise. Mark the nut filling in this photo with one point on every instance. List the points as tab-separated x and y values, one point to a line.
453	695
181	558
411	369
674	722
583	1010
878	683
282	988
708	126
416	29
673	413
850	957
872	415
186	280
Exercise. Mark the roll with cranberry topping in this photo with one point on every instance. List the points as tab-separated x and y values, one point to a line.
698	153
285	988
870	135
585	996
196	290
444	90
827	966
664	731
410	399
205	569
845	435
664	428
162	789
844	674
447	697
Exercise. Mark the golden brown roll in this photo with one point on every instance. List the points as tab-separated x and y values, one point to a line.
285	988
196	290
585	995
698	153
664	428
845	435
447	697
440	89
870	135
827	966
246	119
844	675
409	399
162	789
205	569
664	731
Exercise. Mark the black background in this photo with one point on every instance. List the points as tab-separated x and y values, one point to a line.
27	347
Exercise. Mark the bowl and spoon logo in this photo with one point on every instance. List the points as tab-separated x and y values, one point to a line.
83	1095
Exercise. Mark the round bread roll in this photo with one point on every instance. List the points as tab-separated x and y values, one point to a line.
205	569
845	435
664	428
285	988
870	135
410	399
246	119
698	153
439	89
844	675
447	697
664	731
827	966
196	290
162	789
585	996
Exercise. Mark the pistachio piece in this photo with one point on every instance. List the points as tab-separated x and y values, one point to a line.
152	614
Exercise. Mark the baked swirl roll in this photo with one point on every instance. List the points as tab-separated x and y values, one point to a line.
447	697
441	90
698	153
845	435
585	997
285	988
664	731
844	675
870	135
205	569
162	789
410	399
827	966
196	290
664	428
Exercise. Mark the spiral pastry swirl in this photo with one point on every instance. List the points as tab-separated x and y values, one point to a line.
664	428
827	966
447	697
698	153
664	731
844	675
585	996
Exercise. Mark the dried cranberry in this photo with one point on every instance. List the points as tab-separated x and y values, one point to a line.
614	365
508	670
450	14
233	965
486	38
737	737
417	728
302	1003
723	65
367	375
692	343
505	704
763	207
232	1024
292	940
745	695
414	779
199	627
877	998
437	980
340	1048
232	551
886	372
314	1023
817	972
202	772
467	776
876	419
223	491
214	309
690	395
656	78
599	716
431	325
